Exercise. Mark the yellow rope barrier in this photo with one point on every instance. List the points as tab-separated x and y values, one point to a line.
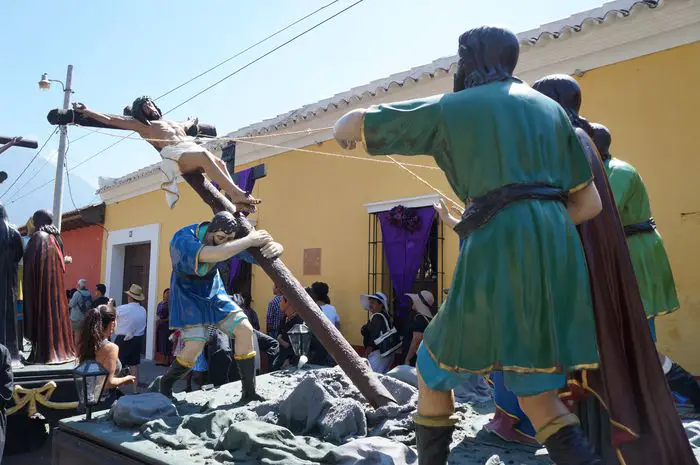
31	397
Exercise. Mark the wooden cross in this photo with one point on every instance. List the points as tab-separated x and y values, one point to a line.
355	367
7	142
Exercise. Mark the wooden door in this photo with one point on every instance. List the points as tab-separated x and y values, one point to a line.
136	266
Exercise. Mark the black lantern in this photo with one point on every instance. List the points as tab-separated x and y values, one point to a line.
300	337
90	378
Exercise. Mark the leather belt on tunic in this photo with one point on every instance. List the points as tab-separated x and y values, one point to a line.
193	277
639	228
482	209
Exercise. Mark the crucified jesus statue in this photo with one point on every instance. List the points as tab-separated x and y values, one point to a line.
181	153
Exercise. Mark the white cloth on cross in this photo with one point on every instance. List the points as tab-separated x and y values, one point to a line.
171	155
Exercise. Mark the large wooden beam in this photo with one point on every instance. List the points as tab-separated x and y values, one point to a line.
63	117
25	143
354	367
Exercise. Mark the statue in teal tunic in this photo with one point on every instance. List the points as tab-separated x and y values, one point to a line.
198	298
651	266
520	299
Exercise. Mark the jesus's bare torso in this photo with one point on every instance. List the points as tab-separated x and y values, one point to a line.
161	133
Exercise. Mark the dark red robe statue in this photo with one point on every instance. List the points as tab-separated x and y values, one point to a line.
47	320
630	415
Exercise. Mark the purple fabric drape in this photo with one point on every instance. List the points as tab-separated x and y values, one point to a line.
404	251
246	181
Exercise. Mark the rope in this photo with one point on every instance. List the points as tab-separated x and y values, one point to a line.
246	140
403	166
241	138
338	155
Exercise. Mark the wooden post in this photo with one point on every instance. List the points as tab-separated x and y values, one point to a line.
328	335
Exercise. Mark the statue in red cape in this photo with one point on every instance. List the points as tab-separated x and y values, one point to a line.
629	414
47	320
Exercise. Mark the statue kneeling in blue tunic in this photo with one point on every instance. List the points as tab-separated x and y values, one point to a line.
198	298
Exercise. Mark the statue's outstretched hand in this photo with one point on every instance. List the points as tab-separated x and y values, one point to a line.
348	129
272	250
79	107
259	238
444	213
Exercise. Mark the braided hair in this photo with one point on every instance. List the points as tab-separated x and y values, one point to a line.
486	54
42	221
564	90
602	140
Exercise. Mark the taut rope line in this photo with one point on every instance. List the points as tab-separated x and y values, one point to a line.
247	140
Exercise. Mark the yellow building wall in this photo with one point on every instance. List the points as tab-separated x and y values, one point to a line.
650	104
309	201
316	201
151	208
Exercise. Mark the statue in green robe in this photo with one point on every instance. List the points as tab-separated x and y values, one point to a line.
520	300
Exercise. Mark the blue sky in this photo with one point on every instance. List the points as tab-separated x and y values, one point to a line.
121	50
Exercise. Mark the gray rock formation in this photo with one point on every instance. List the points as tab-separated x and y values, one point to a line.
133	411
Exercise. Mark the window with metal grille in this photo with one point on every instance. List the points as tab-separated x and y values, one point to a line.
430	276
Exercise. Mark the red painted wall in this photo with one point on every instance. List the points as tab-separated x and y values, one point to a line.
85	246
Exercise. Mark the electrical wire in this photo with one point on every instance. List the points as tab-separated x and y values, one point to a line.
264	55
74	168
47	160
29	164
65	167
205	90
247	49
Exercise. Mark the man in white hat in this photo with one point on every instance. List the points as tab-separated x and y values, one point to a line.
422	304
131	327
376	330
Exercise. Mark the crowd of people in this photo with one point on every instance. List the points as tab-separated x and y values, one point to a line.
123	326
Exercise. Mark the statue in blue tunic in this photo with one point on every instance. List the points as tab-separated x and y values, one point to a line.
199	299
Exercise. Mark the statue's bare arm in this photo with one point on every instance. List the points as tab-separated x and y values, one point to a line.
220	253
186	125
12	142
117	121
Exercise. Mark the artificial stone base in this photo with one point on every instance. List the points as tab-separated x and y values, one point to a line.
312	416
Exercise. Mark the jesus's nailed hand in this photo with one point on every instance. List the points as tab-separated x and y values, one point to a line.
79	107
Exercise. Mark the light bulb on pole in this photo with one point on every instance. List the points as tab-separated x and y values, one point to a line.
44	83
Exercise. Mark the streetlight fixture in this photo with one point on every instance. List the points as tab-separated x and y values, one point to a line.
45	84
300	337
90	378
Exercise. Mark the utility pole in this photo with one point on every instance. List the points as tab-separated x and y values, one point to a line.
60	163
